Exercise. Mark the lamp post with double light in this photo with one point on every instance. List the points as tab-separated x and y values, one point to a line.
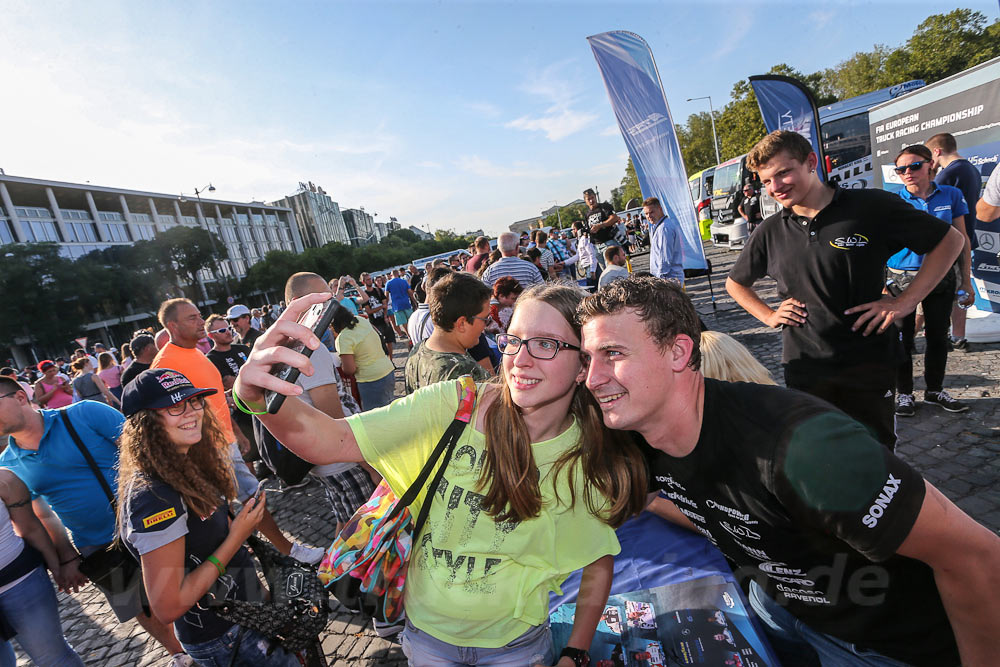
211	240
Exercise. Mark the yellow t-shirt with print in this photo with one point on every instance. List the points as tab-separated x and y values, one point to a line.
365	344
473	581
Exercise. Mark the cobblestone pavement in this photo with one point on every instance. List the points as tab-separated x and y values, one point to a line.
959	453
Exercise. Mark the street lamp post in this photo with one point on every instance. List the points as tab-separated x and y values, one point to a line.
211	238
711	113
558	217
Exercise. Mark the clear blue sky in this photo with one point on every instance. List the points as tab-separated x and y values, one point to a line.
444	114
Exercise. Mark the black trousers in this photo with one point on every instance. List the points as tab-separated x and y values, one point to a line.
937	319
863	392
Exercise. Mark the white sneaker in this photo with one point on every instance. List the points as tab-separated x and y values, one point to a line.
181	660
307	555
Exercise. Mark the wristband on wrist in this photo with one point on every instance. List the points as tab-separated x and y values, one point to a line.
70	560
218	566
242	407
579	656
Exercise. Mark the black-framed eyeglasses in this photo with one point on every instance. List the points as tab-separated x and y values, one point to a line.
197	403
484	320
539	347
9	394
913	166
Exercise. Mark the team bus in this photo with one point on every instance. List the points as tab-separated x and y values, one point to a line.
701	195
846	139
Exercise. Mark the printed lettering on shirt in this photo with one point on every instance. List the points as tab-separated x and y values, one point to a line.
670	482
159	517
848	242
707	533
739	531
817	597
733	513
677	497
759	554
691	515
882	502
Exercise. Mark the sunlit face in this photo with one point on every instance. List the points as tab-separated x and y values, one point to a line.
537	384
627	373
914	179
787	180
220	332
591	199
12	412
653	213
506	301
184	430
470	332
189	326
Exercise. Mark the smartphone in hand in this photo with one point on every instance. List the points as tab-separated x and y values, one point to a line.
318	319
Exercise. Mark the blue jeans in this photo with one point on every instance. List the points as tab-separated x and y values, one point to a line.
798	644
531	648
378	393
31	608
246	483
252	651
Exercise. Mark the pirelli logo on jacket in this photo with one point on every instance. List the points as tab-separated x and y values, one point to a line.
159	517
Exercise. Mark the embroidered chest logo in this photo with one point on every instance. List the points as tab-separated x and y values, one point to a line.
849	242
159	517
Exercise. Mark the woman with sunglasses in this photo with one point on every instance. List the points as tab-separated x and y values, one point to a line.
175	483
913	165
531	493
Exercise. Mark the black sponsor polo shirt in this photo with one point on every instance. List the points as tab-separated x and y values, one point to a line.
833	262
801	499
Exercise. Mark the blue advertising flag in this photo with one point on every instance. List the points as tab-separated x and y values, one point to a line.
637	98
786	104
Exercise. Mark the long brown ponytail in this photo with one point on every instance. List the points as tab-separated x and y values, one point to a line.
612	465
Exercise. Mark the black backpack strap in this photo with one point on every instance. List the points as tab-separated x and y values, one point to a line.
90	459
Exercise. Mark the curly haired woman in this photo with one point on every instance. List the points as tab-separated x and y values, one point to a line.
175	483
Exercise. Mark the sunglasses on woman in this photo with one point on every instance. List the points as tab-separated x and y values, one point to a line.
540	348
913	166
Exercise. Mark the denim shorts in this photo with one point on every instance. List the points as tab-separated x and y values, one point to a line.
251	651
531	648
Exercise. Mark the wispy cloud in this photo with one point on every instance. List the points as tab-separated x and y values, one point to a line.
429	164
480	166
487	109
559	119
611	131
738	26
821	18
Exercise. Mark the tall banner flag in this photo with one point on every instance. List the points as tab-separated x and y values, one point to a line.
636	94
786	104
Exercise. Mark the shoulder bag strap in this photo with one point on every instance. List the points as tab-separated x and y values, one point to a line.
466	403
90	459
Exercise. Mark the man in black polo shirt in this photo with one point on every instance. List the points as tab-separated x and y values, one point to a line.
827	250
603	224
144	351
846	554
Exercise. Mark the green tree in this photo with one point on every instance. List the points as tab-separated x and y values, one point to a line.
180	253
946	44
630	184
41	296
696	138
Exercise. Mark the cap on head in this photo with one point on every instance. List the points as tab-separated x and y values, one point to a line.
45	364
237	311
140	343
158	388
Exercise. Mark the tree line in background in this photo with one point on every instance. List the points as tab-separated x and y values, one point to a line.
49	298
942	45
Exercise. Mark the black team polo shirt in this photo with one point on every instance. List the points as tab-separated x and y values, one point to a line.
833	262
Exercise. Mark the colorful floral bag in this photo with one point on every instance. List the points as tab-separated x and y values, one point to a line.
374	547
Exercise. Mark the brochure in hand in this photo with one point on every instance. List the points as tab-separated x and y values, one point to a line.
697	622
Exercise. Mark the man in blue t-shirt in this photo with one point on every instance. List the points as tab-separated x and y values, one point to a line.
955	170
66	493
401	297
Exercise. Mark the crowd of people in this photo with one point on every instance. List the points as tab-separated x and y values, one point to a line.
599	393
